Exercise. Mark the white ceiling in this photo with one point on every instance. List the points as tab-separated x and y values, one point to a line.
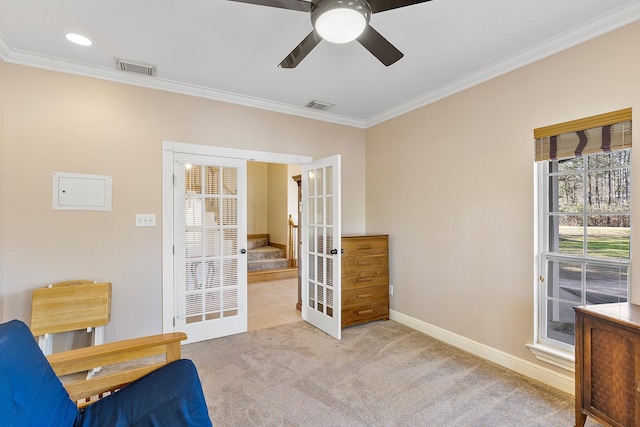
229	51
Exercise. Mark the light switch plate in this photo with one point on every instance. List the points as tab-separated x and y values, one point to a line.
145	220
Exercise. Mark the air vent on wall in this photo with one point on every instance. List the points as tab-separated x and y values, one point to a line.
319	105
136	67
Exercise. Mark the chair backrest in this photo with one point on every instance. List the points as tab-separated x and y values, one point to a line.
30	392
70	306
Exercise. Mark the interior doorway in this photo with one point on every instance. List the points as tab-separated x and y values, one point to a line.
172	265
206	248
272	237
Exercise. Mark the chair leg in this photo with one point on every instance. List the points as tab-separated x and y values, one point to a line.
97	338
46	344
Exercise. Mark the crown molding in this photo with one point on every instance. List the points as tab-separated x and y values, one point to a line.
612	21
14	56
615	19
4	48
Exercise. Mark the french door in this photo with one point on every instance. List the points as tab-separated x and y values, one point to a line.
205	236
209	255
321	248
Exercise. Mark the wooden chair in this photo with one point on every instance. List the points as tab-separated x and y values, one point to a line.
70	306
86	391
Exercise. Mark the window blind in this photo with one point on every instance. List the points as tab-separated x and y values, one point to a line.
601	133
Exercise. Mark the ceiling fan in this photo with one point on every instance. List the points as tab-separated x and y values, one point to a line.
340	21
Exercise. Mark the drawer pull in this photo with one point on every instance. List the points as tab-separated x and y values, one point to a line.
363	312
363	247
365	295
364	263
364	279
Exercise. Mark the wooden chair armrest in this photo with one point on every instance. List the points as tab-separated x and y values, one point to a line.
87	358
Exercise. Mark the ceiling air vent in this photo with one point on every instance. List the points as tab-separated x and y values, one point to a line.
136	67
319	105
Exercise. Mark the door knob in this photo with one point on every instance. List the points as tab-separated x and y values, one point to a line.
243	251
334	252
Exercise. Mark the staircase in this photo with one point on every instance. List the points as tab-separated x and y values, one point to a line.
261	256
265	262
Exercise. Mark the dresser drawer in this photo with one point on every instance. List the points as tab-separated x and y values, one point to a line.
365	295
364	313
364	246
365	279
364	263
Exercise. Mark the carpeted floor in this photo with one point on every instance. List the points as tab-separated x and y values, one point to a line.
379	374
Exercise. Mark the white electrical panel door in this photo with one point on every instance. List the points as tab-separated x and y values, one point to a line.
81	192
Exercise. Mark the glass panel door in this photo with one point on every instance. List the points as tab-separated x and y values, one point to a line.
210	271
321	302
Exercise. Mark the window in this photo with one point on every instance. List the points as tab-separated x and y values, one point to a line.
584	221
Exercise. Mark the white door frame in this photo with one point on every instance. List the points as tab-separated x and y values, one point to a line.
169	148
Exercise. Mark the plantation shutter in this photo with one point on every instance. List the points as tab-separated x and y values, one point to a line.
602	133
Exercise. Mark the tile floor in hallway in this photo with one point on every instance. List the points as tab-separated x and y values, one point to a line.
272	303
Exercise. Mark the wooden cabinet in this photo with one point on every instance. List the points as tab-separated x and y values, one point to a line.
365	279
608	364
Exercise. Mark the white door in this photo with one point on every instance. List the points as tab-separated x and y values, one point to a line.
321	248
210	236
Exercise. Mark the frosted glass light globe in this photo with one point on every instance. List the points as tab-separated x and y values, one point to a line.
340	25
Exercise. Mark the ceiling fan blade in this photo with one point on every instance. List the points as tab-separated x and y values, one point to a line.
382	5
299	52
301	5
379	46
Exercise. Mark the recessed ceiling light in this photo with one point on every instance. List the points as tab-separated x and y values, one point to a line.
78	39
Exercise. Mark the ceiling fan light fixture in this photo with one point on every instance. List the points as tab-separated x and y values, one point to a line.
340	25
340	21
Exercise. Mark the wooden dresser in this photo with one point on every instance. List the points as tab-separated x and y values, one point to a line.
365	279
608	364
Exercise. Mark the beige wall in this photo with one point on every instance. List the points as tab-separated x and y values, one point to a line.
61	122
452	183
271	196
277	211
257	198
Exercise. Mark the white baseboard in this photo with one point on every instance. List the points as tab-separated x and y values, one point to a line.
516	364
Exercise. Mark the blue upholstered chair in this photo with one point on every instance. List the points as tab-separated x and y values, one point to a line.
31	394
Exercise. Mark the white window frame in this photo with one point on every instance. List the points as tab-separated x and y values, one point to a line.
546	349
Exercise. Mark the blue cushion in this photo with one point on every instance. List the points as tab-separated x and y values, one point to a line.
170	396
30	392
